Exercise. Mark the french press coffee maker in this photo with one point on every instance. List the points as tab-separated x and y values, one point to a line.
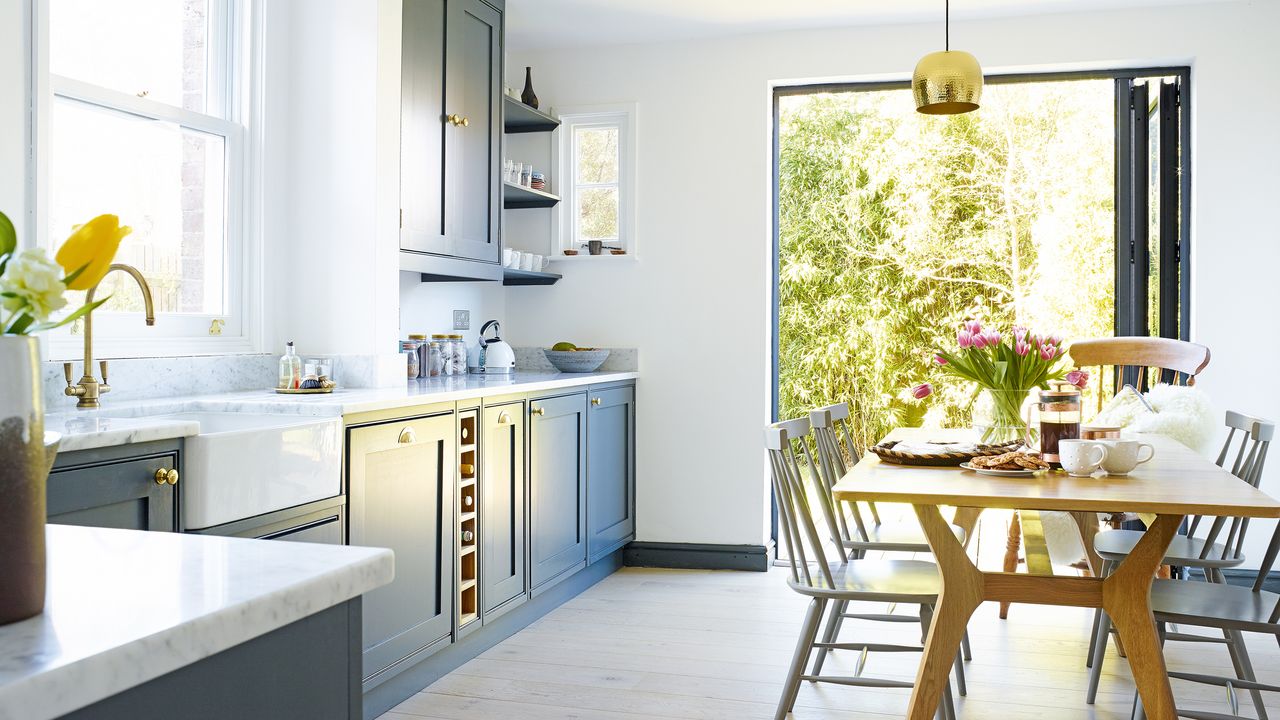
1059	411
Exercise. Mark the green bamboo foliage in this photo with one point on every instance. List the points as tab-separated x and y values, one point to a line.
895	228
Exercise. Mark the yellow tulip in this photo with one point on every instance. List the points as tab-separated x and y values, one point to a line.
92	246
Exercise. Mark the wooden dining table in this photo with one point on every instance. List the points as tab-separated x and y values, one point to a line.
1176	483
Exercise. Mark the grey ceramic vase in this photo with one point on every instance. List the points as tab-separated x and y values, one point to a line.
27	455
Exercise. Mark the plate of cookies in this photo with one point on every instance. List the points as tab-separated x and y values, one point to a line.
1016	463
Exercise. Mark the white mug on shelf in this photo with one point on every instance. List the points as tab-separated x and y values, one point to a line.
1081	458
516	258
507	254
1123	456
527	261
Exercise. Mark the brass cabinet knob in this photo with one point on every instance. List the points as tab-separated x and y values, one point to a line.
407	436
596	401
166	476
504	418
537	411
457	120
465	122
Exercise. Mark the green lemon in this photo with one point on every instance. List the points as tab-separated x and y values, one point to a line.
564	346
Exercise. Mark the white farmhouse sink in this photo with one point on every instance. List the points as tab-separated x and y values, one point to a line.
242	465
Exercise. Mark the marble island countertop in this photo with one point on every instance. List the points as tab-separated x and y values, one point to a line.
145	420
125	607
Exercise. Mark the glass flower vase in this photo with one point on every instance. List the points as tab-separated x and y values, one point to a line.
1000	416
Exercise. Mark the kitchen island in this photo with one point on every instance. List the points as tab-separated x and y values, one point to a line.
157	625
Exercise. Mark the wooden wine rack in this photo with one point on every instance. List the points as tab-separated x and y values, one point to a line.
468	600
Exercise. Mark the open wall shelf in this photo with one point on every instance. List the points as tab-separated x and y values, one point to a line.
518	196
520	118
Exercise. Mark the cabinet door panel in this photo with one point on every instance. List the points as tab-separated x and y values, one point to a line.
401	497
557	456
473	90
502	504
120	494
422	127
610	470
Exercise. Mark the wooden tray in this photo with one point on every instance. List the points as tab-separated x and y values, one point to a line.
300	391
887	454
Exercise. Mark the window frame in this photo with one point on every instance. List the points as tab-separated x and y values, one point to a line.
233	108
624	117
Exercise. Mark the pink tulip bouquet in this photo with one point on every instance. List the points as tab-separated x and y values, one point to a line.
1009	367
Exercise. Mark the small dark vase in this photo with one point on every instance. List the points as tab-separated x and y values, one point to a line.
528	97
27	453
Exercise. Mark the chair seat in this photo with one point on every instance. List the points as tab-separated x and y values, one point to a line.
876	580
1185	551
1214	605
899	537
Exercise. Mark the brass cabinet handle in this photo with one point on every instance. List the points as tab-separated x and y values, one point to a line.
596	401
465	122
453	119
537	411
457	120
407	436
166	476
504	418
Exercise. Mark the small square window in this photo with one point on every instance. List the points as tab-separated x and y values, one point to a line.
597	155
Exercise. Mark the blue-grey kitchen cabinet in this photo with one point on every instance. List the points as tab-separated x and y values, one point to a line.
611	469
451	135
401	494
323	521
557	487
132	487
502	506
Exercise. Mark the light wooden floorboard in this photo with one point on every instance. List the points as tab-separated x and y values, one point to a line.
714	645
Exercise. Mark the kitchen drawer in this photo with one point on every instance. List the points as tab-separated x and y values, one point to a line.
115	493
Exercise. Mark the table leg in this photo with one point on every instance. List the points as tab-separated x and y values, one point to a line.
1087	524
1012	544
961	595
1126	598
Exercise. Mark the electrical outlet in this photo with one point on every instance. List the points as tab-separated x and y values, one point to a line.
461	319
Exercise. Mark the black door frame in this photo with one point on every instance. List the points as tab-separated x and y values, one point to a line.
1124	198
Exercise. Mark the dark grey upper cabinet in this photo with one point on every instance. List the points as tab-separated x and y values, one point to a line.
557	486
451	136
116	488
422	127
401	477
502	505
611	474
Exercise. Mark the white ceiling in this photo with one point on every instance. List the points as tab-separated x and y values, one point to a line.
575	23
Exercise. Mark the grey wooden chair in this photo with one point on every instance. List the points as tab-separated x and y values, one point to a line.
1189	551
1231	609
846	579
833	442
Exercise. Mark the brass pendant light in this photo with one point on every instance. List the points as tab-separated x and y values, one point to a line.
947	82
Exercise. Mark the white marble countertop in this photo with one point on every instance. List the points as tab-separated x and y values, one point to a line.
144	420
125	607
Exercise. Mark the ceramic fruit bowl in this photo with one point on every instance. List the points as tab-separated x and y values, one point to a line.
580	360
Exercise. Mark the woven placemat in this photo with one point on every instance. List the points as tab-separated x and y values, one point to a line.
886	453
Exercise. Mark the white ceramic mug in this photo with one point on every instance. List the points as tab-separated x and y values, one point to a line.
1081	458
507	254
527	261
1123	455
516	257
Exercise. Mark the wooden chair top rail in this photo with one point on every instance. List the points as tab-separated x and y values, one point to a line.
1176	355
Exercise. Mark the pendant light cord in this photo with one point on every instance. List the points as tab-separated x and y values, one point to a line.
947	26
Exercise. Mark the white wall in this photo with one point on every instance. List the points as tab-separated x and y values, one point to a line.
14	139
696	302
331	195
427	308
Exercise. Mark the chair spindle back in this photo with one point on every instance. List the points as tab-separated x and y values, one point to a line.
787	442
1250	458
1177	362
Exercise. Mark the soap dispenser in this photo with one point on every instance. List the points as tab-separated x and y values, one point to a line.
290	368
